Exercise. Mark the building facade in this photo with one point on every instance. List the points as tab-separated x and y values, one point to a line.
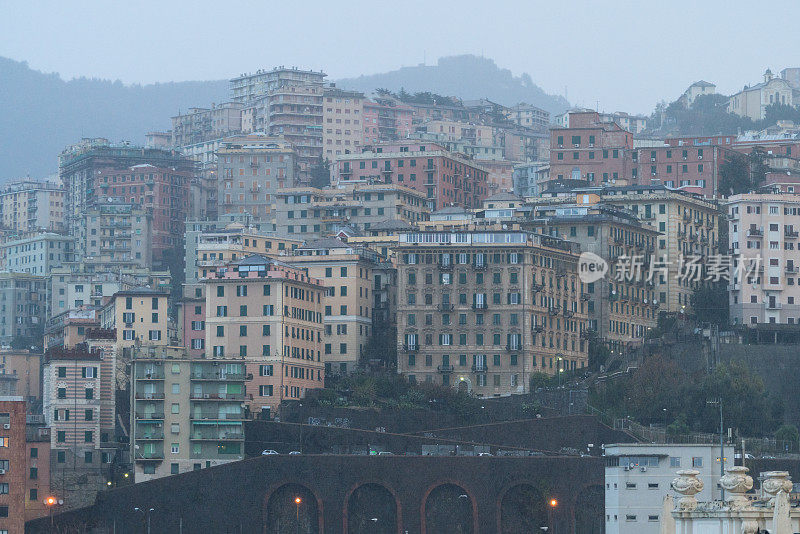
23	306
199	125
310	213
95	171
120	233
12	464
753	101
638	478
270	315
386	119
30	205
763	230
251	170
37	253
186	414
483	311
445	178
342	117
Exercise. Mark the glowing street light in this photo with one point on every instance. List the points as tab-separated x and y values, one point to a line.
297	502
553	503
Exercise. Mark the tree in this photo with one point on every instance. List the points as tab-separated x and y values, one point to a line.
655	386
710	304
321	173
598	353
758	166
778	112
734	176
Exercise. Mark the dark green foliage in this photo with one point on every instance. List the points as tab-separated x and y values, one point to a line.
660	383
321	173
710	304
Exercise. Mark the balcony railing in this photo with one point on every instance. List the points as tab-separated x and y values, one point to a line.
210	375
585	296
216	415
537	287
151	436
569	313
553	311
411	347
755	232
217	396
446	266
157	455
446	307
149	415
480	306
445	368
774	305
789	234
149	396
480	367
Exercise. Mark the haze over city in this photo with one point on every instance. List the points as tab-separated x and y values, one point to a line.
399	267
622	55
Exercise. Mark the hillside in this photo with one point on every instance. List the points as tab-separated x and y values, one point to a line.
469	77
43	113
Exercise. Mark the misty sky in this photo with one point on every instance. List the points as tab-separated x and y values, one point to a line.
625	54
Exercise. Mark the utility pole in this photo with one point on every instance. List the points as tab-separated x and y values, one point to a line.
718	400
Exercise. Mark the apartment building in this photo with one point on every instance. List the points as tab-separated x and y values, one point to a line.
386	119
619	311
198	125
269	314
251	169
447	130
12	464
37	253
69	328
444	178
482	311
23	306
348	271
30	205
120	232
694	167
24	365
95	171
217	248
186	414
762	232
247	87
687	224
528	116
310	213
638	477
91	282
529	177
632	123
342	117
78	387
37	455
139	316
592	150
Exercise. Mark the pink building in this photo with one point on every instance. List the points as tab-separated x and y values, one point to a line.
192	313
386	120
446	178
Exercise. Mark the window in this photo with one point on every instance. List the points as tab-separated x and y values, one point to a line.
173	468
674	462
87	457
175	448
88	436
265	391
697	461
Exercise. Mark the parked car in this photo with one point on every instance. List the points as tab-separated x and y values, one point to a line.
484	454
293	453
268	452
385	453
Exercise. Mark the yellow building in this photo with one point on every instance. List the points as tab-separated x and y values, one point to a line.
269	314
357	280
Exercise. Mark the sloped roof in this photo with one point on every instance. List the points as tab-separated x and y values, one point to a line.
503	196
391	224
325	242
448	210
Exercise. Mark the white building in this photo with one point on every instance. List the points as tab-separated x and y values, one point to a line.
638	477
37	253
699	88
753	101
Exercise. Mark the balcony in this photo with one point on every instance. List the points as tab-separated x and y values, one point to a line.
479	368
480	306
445	307
149	416
211	375
755	232
445	266
553	311
156	374
537	328
154	455
150	436
149	396
790	234
410	348
206	416
774	305
585	296
445	368
569	314
537	287
513	347
480	266
218	396
791	269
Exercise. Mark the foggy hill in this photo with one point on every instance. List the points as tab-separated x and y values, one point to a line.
41	113
468	77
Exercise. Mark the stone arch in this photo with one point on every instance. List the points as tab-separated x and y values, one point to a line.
464	383
282	514
522	507
372	507
448	508
590	510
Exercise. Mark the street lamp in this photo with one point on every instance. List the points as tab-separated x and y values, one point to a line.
51	502
297	502
560	370
552	505
665	423
146	515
